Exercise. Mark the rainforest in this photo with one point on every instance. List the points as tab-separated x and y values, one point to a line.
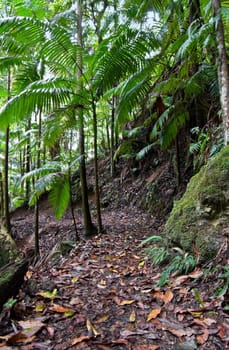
114	174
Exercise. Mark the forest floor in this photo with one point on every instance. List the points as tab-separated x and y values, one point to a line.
104	293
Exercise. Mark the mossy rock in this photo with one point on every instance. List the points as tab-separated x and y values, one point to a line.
8	250
199	218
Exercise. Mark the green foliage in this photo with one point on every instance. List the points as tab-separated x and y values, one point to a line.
60	195
159	255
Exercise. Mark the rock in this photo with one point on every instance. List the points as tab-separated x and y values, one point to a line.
8	249
199	218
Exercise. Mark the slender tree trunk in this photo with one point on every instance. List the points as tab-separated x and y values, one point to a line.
6	166
97	191
112	163
223	70
89	228
1	197
36	207
27	162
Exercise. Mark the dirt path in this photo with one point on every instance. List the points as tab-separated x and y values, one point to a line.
103	295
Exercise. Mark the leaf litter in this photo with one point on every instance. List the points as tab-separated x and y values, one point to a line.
104	296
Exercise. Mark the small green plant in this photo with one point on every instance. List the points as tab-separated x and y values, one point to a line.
179	264
182	262
223	288
157	255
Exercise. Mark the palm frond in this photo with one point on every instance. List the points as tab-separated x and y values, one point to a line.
9	62
47	169
124	54
60	49
36	8
132	93
42	185
144	151
60	196
41	95
27	32
175	122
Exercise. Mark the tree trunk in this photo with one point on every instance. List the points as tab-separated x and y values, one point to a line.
6	166
112	163
89	228
223	70
97	191
36	207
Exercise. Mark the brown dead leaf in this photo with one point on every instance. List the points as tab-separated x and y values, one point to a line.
168	296
147	347
206	322
80	339
92	331
117	300
19	338
179	332
102	284
223	330
132	317
102	318
179	280
202	338
61	309
196	273
153	314
126	302
31	327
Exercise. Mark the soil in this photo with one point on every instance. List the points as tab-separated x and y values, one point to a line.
102	293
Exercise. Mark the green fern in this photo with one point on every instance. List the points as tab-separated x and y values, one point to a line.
60	196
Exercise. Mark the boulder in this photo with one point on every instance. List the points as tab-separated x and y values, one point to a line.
199	221
8	249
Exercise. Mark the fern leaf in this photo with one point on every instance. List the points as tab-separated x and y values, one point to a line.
60	196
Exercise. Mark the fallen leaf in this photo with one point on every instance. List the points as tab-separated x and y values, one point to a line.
31	327
147	347
196	273
132	317
49	295
75	279
80	339
141	263
126	333
179	280
19	338
102	284
61	309
168	296
102	318
127	302
92	331
204	322
153	314
179	332
202	338
40	307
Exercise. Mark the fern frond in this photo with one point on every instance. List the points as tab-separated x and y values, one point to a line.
60	196
49	168
43	184
27	32
144	151
43	95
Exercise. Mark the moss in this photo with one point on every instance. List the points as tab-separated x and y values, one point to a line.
199	217
8	250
